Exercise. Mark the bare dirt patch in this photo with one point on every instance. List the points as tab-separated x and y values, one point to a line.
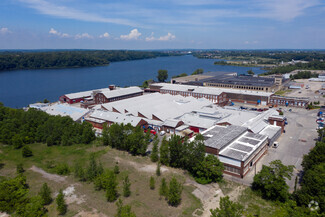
150	168
3	214
52	177
93	213
71	197
208	194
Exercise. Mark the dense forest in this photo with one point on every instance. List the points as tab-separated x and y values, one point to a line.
19	128
70	58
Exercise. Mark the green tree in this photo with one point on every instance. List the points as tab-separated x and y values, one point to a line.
152	183
92	168
111	188
154	154
270	181
250	72
174	192
198	72
17	141
45	194
79	172
26	151
126	187
316	155
176	151
163	189
20	168
228	209
62	169
123	211
13	194
209	170
162	75
313	187
60	203
33	208
164	152
158	172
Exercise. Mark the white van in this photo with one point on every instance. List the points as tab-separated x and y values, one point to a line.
275	145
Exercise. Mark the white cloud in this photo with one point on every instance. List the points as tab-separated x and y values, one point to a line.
54	32
51	9
133	35
83	35
284	10
4	30
105	35
167	37
251	42
57	33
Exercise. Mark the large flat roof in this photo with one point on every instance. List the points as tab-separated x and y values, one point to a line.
106	91
212	115
189	88
162	106
65	110
258	123
209	90
219	137
241	80
244	146
114	117
121	92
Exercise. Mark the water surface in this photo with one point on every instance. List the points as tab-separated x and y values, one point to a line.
20	88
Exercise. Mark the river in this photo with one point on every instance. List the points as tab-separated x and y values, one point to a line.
22	87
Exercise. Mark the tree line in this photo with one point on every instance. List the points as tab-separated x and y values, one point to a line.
19	128
16	60
176	152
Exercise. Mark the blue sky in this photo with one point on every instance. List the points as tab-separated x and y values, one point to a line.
162	24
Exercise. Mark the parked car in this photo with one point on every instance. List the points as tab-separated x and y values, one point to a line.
162	133
153	132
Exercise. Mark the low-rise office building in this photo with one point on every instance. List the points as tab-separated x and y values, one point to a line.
237	148
301	102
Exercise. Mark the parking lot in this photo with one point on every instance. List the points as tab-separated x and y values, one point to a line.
298	139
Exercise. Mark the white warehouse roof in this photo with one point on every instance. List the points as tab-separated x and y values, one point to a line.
162	106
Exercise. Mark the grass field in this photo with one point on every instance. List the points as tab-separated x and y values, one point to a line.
85	199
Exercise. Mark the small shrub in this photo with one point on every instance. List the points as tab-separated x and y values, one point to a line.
62	169
116	168
20	168
26	151
126	187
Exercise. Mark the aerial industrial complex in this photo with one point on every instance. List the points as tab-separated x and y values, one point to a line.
238	136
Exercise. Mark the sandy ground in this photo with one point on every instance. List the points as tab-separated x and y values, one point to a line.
93	213
210	195
151	168
52	177
2	214
71	197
